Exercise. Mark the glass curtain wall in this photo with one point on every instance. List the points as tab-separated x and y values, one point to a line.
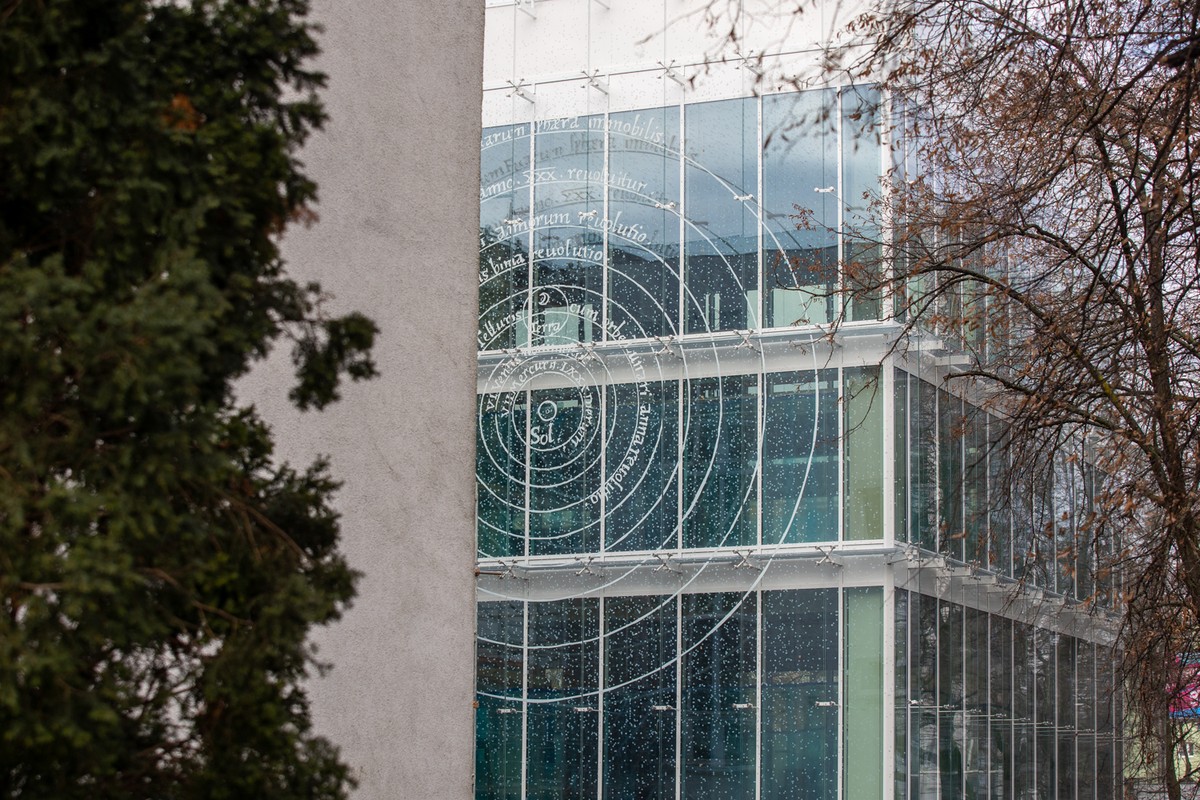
953	496
589	469
710	696
603	228
990	708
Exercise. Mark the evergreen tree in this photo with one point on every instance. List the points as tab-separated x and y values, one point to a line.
159	573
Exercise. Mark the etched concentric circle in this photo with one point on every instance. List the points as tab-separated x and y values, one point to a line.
604	403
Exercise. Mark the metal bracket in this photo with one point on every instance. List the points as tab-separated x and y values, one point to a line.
745	562
518	88
527	7
665	565
669	72
586	569
593	78
746	344
827	556
665	344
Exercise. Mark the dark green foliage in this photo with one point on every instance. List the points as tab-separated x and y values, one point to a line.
159	573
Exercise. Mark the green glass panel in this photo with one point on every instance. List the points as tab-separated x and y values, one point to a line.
863	715
863	466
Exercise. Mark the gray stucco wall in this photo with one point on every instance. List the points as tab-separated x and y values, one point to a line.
397	239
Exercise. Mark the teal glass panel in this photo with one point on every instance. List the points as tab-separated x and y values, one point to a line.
717	722
720	228
499	670
975	704
720	461
799	694
922	474
951	723
863	692
861	172
563	735
641	482
500	460
864	455
642	223
800	457
564	473
950	476
639	704
800	199
568	247
1000	691
504	237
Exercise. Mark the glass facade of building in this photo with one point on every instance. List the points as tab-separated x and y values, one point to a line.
723	553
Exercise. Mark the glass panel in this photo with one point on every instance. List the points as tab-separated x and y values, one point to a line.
564	473
1085	705
1105	733
863	467
864	692
504	237
800	161
900	683
951	733
499	671
1044	710
568	255
924	748
799	694
640	488
861	151
1000	691
1023	701
975	704
975	519
643	222
500	460
639	705
562	736
900	452
718	722
720	460
721	230
950	475
923	474
1066	718
800	457
1000	549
